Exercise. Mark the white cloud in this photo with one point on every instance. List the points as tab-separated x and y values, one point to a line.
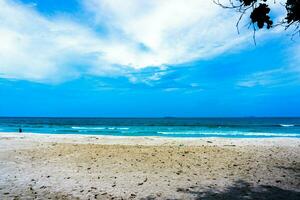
260	78
172	31
288	74
294	56
271	78
39	49
171	89
140	34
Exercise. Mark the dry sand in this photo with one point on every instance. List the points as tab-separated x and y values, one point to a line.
34	166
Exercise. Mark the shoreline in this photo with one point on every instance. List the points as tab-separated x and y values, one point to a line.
151	140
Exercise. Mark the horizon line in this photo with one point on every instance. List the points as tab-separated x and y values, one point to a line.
136	117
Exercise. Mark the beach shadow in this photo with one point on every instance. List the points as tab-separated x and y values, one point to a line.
242	190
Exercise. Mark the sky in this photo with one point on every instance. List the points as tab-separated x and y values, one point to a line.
143	58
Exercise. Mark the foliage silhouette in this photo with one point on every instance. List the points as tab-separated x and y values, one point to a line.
260	10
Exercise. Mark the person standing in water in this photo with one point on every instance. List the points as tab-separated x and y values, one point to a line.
20	130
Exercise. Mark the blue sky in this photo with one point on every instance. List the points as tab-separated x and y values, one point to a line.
141	58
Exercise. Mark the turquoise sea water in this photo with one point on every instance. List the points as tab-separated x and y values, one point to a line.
164	127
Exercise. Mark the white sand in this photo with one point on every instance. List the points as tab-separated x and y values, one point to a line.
41	166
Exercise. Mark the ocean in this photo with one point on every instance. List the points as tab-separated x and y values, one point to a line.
163	127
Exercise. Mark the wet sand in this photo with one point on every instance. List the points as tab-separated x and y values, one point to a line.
34	166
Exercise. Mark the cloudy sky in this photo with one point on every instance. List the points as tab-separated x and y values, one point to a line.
142	58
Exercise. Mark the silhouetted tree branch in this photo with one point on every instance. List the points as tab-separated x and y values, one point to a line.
259	16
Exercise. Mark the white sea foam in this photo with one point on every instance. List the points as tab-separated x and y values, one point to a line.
287	125
99	128
117	128
197	133
274	134
88	128
233	134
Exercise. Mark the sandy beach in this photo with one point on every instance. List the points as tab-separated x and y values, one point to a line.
37	166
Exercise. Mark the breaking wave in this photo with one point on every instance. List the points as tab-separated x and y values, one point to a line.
287	125
249	134
99	128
